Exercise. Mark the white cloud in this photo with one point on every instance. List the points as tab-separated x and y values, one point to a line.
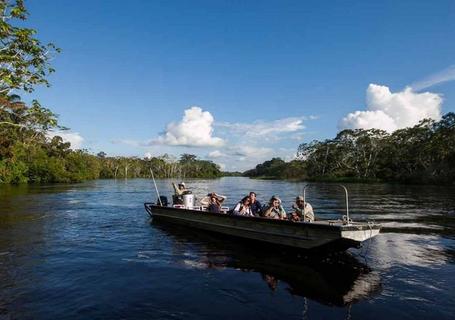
216	154
445	75
194	130
251	152
391	111
260	129
74	138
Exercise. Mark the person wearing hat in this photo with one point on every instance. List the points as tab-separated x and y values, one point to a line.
213	202
303	210
274	209
180	189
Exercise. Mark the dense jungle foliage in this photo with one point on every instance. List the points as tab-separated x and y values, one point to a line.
424	153
28	153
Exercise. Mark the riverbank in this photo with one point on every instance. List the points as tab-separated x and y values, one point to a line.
352	180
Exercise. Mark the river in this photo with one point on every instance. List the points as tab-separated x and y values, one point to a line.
90	251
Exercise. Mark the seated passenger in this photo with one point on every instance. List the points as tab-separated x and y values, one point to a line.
214	204
255	205
303	210
243	208
294	217
274	209
212	198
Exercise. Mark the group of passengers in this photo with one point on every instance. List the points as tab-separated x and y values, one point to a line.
251	207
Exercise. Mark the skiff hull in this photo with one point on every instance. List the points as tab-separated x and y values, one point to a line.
320	235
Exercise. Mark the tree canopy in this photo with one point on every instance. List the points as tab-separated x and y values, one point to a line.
424	153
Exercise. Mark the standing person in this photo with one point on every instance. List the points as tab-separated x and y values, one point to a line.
274	209
243	208
255	205
303	209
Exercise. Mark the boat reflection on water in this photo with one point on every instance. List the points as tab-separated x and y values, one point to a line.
336	280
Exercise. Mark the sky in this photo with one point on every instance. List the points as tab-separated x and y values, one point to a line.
240	82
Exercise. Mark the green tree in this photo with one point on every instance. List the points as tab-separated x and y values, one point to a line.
24	60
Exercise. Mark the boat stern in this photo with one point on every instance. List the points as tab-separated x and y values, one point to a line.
360	232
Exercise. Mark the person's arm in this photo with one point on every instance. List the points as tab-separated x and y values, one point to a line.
176	189
237	208
259	207
308	213
268	211
205	201
220	198
282	213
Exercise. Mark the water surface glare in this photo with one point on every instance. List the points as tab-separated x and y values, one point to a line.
90	251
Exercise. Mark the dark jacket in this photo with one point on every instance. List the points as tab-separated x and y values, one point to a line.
256	208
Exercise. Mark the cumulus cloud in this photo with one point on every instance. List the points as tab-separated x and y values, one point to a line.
445	75
241	153
391	111
194	130
216	154
251	152
265	128
74	138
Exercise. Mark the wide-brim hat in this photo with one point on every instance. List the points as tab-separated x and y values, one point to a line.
275	198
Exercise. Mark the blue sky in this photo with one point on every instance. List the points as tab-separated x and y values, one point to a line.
271	74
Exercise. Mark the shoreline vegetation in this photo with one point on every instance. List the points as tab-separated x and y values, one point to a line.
31	151
423	154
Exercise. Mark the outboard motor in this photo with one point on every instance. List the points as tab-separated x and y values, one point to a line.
177	199
162	201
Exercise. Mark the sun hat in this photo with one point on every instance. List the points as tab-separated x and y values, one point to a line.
275	197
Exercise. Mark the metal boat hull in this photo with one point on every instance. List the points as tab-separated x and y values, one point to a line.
327	235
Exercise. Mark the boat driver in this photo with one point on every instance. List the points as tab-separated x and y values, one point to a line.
179	189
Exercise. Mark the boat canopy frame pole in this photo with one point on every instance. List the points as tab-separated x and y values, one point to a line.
156	188
304	196
346	200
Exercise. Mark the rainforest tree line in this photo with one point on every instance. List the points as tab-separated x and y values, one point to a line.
424	153
28	153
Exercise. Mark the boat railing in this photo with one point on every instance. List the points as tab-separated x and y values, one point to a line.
223	209
345	218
